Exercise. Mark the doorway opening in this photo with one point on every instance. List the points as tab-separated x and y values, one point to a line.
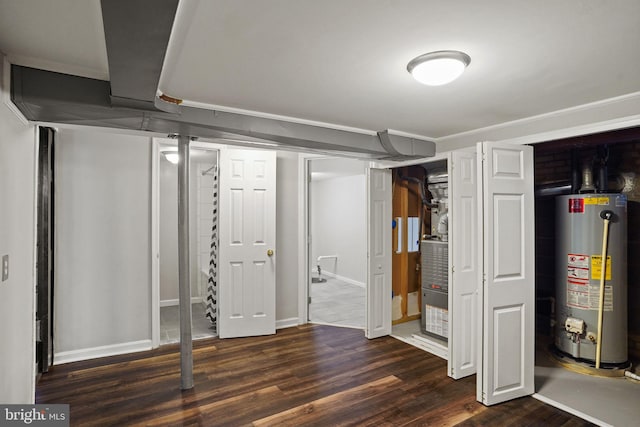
338	245
45	249
560	165
203	201
420	260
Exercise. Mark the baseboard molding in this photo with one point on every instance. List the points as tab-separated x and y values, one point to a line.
344	279
170	302
287	323
569	409
336	325
425	344
103	351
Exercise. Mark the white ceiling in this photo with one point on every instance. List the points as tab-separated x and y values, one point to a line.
344	62
61	35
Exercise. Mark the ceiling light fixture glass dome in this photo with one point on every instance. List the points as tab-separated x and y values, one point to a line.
438	68
171	154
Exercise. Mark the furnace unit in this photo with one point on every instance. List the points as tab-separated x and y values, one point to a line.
435	288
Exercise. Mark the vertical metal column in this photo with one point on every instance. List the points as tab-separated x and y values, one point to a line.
184	282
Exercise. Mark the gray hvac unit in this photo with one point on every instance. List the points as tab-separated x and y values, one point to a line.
580	225
435	288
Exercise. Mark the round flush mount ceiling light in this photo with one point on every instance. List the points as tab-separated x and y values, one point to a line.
171	154
438	68
172	157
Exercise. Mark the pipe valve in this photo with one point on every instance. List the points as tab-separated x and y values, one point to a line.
574	326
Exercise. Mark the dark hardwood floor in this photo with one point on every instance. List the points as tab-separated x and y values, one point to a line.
306	376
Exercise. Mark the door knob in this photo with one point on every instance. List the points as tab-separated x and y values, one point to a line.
270	252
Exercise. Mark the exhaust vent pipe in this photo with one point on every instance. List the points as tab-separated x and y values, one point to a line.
587	179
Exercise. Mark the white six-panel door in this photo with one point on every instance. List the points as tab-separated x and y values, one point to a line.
247	243
463	263
508	334
379	253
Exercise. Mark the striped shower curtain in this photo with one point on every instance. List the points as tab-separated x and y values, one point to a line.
212	281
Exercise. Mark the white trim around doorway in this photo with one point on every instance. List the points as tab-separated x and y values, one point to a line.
304	236
155	243
155	229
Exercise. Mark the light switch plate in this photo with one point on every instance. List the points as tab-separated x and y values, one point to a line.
5	267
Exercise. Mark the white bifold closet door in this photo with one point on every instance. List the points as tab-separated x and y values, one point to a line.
491	264
464	238
378	316
508	301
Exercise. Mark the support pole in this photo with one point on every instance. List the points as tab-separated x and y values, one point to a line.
184	282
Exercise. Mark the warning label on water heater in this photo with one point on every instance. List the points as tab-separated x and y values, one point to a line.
578	266
596	267
580	293
602	201
576	205
578	260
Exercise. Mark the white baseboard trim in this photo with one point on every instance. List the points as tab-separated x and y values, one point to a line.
170	302
426	344
287	323
344	279
103	351
335	325
570	410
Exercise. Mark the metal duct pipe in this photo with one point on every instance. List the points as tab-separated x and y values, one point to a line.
603	174
603	179
50	97
136	34
556	189
184	280
575	172
587	179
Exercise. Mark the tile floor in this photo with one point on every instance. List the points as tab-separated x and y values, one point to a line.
600	400
337	303
170	324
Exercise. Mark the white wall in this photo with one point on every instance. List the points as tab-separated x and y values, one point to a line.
103	251
338	221
103	282
17	190
287	236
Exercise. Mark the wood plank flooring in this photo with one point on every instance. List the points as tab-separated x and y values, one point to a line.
311	375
